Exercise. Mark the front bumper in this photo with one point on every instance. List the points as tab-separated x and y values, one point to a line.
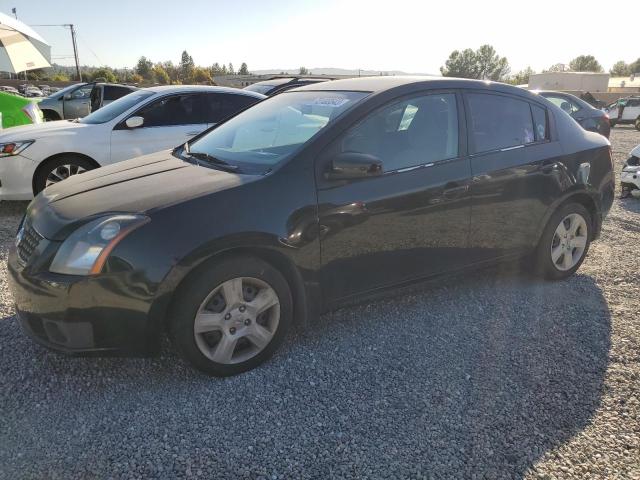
16	177
103	314
632	178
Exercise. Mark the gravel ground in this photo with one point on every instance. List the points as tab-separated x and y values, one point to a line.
495	375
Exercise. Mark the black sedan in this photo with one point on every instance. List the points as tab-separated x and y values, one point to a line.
588	116
278	85
309	199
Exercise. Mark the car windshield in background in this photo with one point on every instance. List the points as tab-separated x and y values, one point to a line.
260	88
272	130
116	108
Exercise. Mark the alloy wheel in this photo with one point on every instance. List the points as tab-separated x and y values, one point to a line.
61	172
237	320
569	242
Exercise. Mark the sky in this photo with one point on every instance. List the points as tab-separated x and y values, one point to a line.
413	36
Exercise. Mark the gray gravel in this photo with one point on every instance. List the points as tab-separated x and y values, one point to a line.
494	375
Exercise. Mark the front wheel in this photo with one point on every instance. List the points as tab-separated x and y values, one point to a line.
54	171
564	243
231	317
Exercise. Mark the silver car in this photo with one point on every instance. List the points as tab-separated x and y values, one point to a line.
77	101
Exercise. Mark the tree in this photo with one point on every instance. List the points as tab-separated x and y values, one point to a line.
104	73
60	77
522	77
186	66
491	66
483	63
231	71
161	75
620	69
557	67
303	71
634	67
201	75
144	68
216	69
136	78
244	70
585	63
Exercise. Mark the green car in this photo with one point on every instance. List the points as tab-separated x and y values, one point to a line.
18	110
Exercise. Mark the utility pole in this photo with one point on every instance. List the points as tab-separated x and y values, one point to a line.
15	13
75	51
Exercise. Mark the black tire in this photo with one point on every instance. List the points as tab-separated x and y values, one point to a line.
50	116
195	291
46	169
544	265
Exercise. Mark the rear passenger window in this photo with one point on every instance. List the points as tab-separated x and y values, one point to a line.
408	133
499	122
222	105
540	123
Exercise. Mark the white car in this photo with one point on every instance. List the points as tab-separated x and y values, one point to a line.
625	110
145	121
630	176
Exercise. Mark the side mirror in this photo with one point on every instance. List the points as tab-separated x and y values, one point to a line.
134	122
348	165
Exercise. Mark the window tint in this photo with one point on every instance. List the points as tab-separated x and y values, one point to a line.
113	92
499	122
408	133
540	123
222	105
173	110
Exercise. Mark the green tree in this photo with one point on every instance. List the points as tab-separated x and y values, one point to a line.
585	63
634	67
60	77
230	69
144	68
244	70
186	66
104	73
136	78
216	69
620	69
521	77
557	67
491	66
303	71
462	64
161	75
201	75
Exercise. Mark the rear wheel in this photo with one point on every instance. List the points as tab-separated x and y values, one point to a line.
565	242
231	317
58	169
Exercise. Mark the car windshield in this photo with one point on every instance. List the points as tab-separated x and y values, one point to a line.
272	130
116	108
65	90
259	88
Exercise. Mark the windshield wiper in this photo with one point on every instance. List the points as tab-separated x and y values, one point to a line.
211	160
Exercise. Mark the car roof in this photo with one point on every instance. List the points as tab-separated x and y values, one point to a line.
382	83
202	88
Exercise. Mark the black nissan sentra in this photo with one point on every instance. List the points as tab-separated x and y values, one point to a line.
308	199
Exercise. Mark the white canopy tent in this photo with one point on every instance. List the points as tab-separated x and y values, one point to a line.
21	48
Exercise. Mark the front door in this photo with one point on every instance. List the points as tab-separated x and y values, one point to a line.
409	222
77	104
168	122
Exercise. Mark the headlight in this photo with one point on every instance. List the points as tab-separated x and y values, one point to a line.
13	148
85	251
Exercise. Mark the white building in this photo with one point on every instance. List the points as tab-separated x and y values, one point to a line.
572	81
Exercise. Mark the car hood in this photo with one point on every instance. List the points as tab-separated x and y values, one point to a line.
45	129
140	185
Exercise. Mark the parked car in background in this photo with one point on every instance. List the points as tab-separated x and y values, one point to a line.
10	90
589	117
33	92
17	110
142	122
308	199
81	99
625	111
278	85
630	176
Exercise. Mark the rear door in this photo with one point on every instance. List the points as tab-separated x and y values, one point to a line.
168	122
516	172
409	222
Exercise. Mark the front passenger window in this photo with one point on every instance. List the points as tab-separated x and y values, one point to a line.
411	132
